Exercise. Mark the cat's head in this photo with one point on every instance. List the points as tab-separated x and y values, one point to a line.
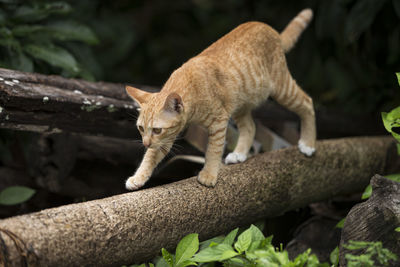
160	118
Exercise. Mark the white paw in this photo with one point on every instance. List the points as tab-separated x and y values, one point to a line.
234	157
306	150
131	184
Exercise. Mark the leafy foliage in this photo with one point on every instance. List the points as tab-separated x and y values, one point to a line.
15	195
248	249
251	249
334	257
34	36
391	121
373	254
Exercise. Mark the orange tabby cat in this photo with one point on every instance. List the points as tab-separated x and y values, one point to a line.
228	79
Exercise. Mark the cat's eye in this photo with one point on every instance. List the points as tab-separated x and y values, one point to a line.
157	130
141	128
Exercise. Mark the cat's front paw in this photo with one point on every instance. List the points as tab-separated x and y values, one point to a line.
207	179
305	149
234	157
135	182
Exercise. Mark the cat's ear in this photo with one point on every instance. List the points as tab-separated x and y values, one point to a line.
138	95
173	103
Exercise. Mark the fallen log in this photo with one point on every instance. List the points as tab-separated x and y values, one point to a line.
374	220
133	227
52	104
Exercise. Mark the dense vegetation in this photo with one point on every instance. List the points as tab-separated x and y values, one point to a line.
252	249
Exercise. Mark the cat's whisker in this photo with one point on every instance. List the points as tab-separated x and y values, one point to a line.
135	116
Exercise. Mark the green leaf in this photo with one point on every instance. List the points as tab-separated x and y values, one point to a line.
230	238
216	253
266	242
397	229
398	73
55	56
27	13
354	245
391	120
212	241
151	264
244	241
71	30
59	30
26	29
167	257
187	263
334	257
236	262
186	248
340	223
256	234
367	192
160	262
15	195
254	245
394	177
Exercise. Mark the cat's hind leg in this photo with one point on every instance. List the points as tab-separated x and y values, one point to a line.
247	131
291	96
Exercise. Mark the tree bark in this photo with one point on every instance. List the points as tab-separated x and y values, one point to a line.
40	103
133	227
375	220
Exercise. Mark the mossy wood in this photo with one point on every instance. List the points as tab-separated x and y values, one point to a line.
133	227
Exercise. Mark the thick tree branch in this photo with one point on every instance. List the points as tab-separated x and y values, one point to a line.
36	102
133	227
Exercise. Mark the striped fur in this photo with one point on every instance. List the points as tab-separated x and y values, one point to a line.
227	80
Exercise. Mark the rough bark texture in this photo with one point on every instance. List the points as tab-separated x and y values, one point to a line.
375	219
35	102
133	227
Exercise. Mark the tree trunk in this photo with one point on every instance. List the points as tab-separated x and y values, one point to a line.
133	227
375	219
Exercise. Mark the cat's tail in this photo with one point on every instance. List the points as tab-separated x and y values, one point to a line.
293	30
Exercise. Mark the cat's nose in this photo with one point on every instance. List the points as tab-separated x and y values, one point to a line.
146	142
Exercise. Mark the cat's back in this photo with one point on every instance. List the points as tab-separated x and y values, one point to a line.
248	38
